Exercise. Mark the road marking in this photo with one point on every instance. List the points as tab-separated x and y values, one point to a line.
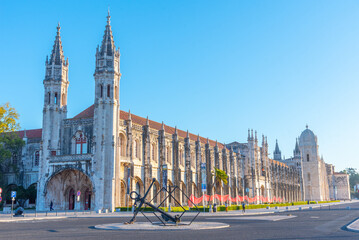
314	217
263	218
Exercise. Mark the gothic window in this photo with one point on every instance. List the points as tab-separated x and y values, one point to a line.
168	152
153	151
181	156
108	90
49	97
122	145
15	159
307	157
37	158
308	176
193	161
101	90
63	99
55	98
81	144
136	149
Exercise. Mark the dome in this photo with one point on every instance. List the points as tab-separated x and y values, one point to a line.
307	137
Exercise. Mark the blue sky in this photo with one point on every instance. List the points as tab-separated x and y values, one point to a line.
215	68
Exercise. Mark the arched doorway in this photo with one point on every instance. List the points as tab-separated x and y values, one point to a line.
62	187
87	199
123	194
71	199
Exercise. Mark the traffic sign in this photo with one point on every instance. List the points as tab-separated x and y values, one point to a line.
0	190
78	193
247	189
0	199
13	194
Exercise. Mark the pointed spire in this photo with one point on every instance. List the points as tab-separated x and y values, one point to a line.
207	140
175	129
249	134
198	138
57	54
129	115
252	134
108	45
25	134
306	126
255	138
163	126
277	155
187	134
216	143
147	121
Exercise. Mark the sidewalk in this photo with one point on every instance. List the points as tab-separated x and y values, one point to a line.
31	215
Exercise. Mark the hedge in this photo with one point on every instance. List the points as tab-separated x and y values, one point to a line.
231	207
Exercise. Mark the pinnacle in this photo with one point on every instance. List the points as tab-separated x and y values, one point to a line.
57	54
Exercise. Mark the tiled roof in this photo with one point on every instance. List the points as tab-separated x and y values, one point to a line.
89	113
33	133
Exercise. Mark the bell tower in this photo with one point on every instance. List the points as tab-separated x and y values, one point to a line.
106	119
54	112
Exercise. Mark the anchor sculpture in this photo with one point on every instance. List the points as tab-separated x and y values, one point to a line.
165	216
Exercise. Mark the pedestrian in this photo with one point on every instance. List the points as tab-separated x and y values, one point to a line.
51	206
226	205
243	207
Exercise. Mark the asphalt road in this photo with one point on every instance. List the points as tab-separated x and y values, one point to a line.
309	224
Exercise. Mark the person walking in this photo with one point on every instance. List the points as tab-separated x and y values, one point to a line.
243	207
51	206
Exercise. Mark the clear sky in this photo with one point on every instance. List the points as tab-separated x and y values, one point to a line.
215	68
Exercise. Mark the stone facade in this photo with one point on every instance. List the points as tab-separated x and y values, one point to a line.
103	151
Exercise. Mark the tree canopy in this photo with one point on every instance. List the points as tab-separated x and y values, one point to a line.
220	176
8	118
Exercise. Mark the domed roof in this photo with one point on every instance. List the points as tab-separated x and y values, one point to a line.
307	137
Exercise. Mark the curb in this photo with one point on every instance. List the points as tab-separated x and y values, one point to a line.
350	227
31	219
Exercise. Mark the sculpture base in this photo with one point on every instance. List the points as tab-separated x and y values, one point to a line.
158	226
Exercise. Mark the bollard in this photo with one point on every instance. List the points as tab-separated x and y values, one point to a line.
65	212
56	213
35	213
46	213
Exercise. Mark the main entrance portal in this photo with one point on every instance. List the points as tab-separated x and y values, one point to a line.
62	190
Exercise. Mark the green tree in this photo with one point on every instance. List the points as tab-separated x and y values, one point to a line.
10	143
353	180
219	177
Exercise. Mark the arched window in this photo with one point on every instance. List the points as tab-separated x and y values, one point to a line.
138	188
49	97
15	158
153	150
101	90
135	148
37	158
193	161
122	145
63	99
55	98
81	143
154	193
108	90
168	151
181	157
307	157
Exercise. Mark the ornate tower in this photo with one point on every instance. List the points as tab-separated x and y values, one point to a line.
106	120
54	112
